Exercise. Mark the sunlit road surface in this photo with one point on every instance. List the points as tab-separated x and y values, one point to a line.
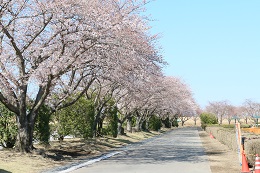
178	151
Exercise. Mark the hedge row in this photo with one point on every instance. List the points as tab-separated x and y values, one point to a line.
251	146
227	136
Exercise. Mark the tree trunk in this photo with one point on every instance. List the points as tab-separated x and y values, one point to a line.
100	126
94	127
170	123
220	120
129	124
146	125
120	130
25	125
138	124
95	122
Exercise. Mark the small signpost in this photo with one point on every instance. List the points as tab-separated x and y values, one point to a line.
256	117
236	118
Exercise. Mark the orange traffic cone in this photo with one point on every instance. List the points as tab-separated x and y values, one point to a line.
245	168
211	136
257	164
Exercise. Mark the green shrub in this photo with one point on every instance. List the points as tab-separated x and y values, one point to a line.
42	125
245	126
8	127
145	125
175	123
112	123
233	126
76	120
208	118
155	123
228	125
167	122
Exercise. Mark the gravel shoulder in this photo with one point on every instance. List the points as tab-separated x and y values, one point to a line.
221	158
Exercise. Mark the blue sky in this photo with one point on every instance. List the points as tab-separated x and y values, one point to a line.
214	45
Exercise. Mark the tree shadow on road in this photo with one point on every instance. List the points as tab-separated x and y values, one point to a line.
4	171
167	154
167	148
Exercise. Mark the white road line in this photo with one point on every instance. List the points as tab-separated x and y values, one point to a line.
89	162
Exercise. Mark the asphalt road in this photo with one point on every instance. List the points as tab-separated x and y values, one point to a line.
178	151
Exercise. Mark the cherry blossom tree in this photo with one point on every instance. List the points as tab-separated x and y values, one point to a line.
51	50
196	115
240	114
178	100
251	109
54	52
243	113
219	109
230	112
139	100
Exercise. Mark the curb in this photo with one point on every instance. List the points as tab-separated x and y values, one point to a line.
72	167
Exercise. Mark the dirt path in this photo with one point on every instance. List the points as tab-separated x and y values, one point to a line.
222	159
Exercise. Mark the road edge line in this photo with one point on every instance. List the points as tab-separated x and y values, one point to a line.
89	162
